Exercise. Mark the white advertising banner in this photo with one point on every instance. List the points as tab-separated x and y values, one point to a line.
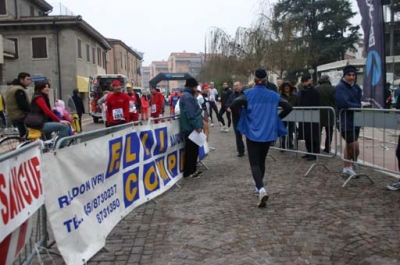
21	190
90	187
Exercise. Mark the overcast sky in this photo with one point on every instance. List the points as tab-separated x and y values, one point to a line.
159	27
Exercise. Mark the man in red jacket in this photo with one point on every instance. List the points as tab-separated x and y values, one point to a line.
117	105
157	103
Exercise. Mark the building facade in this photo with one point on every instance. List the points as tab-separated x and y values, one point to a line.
145	76
122	59
65	50
184	62
157	67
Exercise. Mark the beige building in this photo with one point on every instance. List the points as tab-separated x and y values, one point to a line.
145	76
65	50
184	62
122	59
157	67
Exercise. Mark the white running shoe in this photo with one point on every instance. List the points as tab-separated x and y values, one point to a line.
263	198
212	124
394	186
223	129
348	172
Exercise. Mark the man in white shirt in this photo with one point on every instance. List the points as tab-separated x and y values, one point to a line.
212	98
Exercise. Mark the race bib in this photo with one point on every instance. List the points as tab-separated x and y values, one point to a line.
132	107
153	108
118	114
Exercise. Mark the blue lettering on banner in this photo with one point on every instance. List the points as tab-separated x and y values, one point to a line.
150	178
95	203
202	152
132	150
131	186
147	140
115	153
176	139
66	200
172	164
161	141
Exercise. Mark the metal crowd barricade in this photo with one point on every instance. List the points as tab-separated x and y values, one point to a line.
377	141
39	237
87	136
314	125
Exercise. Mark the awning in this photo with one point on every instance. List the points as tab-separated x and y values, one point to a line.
82	83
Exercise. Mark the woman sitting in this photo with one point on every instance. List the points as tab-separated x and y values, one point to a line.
41	104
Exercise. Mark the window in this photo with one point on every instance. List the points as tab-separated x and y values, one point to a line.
88	53
98	56
15	40
3	8
93	55
39	47
79	49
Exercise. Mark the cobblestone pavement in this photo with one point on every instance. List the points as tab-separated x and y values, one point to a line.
308	220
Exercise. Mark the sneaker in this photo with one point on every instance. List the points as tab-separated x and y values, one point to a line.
394	186
223	129
196	175
348	172
263	198
226	129
212	124
240	155
256	192
220	124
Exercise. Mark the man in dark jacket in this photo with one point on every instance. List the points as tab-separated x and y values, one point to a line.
238	90
327	97
225	94
17	102
288	92
348	95
190	120
80	108
309	131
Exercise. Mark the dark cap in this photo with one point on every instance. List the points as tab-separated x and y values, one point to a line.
305	78
191	82
349	69
260	73
324	79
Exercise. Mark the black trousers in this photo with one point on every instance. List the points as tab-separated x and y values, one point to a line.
257	152
80	121
312	145
190	157
222	110
213	106
239	139
21	127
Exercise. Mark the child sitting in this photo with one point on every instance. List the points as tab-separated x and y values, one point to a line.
62	113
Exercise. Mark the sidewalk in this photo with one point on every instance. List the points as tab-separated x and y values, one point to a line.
214	219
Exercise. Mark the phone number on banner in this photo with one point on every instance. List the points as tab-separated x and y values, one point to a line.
100	199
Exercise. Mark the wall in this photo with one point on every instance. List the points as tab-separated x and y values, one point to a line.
44	67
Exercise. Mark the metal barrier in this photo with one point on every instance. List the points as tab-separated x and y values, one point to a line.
40	236
162	119
307	123
377	132
87	136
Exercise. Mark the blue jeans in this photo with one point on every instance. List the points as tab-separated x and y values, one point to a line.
62	129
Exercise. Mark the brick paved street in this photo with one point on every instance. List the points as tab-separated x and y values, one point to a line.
214	219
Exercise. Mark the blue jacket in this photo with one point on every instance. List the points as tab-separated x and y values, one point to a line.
347	96
259	120
190	112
